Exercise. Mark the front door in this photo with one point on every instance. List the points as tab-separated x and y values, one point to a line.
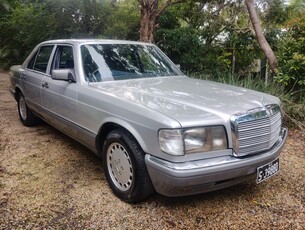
59	98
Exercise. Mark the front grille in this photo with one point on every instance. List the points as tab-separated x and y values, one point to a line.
257	130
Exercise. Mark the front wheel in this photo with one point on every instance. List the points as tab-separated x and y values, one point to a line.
25	114
125	169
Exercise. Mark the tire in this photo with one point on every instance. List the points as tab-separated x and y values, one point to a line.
124	166
25	114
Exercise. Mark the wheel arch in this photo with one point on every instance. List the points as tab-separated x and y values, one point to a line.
112	125
17	92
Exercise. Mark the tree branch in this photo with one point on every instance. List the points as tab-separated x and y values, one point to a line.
221	7
167	4
264	45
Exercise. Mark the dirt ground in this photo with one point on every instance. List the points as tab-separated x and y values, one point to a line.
48	180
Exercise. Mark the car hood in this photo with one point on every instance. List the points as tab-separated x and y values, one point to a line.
189	101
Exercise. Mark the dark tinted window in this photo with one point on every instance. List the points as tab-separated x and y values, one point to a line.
63	58
31	63
40	61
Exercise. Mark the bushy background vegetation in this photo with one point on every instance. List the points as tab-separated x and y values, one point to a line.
211	39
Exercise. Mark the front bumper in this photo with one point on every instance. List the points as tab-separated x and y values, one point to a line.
188	178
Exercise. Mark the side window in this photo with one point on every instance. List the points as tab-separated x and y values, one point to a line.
31	63
63	58
40	61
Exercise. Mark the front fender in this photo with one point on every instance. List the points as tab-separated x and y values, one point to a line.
136	130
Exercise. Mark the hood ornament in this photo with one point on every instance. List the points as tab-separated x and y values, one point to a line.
263	102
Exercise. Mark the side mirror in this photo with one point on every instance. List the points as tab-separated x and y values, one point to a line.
63	75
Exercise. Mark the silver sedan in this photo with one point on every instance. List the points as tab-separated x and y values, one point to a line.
153	127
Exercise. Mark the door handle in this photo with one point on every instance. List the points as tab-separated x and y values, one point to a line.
45	85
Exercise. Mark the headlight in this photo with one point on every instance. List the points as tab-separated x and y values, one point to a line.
171	142
205	139
179	142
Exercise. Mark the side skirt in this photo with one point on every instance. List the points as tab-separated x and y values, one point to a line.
71	129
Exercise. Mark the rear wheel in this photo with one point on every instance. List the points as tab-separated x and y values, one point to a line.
25	114
125	169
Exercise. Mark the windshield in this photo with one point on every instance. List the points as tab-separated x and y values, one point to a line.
108	62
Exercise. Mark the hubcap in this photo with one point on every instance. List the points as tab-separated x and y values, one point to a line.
22	108
119	166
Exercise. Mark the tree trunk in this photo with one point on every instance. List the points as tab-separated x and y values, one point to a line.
233	60
264	45
149	13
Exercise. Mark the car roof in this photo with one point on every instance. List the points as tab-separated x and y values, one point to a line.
92	41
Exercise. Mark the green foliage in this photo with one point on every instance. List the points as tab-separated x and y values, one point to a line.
291	55
21	30
124	21
78	18
180	37
184	47
207	37
24	24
